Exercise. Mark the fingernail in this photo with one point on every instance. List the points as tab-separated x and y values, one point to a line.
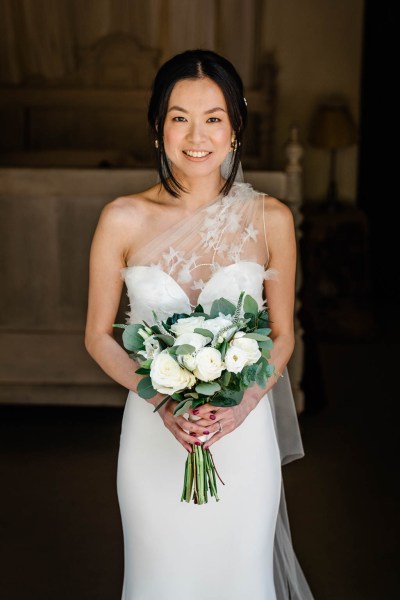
213	417
205	447
206	432
193	433
196	412
198	443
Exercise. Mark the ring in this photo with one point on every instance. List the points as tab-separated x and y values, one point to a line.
220	427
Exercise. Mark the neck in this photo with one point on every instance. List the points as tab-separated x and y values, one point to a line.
200	190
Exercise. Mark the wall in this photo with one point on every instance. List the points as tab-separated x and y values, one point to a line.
317	45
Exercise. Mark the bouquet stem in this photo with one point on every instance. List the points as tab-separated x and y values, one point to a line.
200	477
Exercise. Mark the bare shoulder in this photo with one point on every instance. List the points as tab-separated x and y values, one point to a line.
129	215
278	215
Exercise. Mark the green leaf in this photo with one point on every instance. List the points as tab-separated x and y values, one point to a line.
265	353
228	398
225	378
182	407
263	331
249	374
167	339
142	371
251	320
268	344
204	332
145	388
185	349
223	349
257	336
222	306
120	325
250	305
163	401
131	339
207	388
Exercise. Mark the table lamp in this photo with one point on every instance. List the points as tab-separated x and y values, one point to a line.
332	128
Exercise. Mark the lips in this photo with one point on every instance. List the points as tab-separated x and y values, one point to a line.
196	153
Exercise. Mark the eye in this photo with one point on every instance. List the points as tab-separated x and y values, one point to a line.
179	119
214	120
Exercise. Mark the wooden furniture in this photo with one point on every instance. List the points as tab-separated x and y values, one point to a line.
48	220
336	282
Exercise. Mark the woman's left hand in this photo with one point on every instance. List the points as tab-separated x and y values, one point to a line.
220	420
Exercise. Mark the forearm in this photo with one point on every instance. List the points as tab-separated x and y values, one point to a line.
280	355
113	359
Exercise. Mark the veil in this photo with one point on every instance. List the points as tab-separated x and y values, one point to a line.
289	578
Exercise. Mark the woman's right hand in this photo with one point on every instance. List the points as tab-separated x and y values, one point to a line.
186	432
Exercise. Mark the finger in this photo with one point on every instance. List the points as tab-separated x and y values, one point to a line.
199	427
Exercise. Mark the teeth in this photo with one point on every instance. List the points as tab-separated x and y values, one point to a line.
196	154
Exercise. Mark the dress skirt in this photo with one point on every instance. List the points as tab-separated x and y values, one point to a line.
217	551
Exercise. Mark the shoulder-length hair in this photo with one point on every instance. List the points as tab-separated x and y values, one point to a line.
195	64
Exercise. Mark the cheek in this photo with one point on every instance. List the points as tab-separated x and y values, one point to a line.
172	138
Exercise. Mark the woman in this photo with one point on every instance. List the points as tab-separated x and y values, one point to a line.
195	236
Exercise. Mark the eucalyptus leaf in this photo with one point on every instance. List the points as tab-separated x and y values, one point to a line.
250	305
222	306
257	336
233	396
185	349
131	338
142	371
225	378
208	388
263	330
167	339
268	344
205	332
145	388
181	409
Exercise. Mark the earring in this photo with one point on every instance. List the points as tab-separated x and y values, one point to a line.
234	143
156	143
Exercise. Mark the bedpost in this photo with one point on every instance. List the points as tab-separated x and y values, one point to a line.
294	198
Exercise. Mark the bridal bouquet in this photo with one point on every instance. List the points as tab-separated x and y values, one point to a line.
199	358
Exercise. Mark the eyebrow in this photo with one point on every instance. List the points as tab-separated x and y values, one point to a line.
207	112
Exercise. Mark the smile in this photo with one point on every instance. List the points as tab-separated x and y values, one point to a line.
196	153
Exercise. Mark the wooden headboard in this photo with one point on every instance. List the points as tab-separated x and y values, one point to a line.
96	117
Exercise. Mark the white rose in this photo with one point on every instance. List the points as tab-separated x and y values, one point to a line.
193	339
187	325
167	376
235	359
208	364
151	347
215	325
248	345
188	361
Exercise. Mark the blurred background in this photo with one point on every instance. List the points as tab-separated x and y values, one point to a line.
74	85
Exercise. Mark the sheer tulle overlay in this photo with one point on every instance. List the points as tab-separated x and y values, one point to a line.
241	546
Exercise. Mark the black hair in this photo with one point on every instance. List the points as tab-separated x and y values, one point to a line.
196	64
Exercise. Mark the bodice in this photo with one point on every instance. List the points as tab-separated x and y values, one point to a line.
218	251
151	289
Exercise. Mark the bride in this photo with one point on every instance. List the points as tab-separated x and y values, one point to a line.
197	235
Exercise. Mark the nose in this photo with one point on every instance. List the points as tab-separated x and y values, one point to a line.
196	133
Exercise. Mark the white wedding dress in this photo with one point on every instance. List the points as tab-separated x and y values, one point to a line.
239	547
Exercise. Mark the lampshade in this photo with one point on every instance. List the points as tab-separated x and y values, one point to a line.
332	127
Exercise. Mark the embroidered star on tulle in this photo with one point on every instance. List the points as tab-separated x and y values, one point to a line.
222	219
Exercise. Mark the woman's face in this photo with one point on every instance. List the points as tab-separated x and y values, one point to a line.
197	129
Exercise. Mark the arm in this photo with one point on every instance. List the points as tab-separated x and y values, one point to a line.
280	294
107	257
105	288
